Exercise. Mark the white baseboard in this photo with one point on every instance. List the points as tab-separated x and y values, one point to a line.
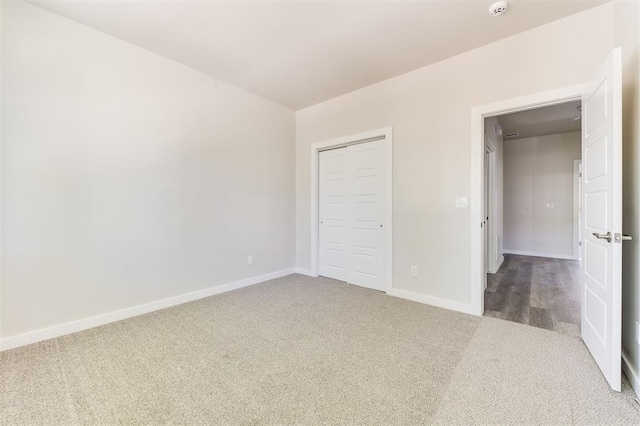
631	374
303	271
497	265
431	300
536	254
95	321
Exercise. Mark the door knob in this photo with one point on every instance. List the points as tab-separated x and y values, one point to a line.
606	236
618	238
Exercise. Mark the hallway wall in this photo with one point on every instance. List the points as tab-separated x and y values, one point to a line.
627	36
538	195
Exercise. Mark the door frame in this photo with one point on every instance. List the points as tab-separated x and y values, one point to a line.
476	195
385	134
492	212
486	238
577	167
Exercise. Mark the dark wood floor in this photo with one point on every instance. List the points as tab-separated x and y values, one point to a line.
538	291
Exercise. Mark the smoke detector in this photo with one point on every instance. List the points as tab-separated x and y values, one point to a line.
498	8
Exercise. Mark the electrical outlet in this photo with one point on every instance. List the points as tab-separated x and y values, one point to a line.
414	271
250	260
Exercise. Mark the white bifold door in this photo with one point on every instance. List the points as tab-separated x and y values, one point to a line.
351	212
602	218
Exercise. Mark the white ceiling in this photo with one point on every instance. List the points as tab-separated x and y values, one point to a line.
542	121
300	53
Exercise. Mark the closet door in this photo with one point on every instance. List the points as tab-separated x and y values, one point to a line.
366	202
334	168
351	211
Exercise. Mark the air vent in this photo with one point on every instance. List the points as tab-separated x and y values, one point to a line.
512	135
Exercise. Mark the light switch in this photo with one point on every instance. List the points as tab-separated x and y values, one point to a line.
550	205
462	202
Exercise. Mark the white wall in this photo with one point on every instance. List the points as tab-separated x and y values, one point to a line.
129	178
538	171
430	112
495	141
627	35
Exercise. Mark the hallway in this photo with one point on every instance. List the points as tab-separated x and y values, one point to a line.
537	291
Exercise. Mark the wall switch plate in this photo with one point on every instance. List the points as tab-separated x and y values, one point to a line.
462	202
414	271
250	260
550	205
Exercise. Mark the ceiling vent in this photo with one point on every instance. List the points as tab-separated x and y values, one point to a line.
498	8
512	135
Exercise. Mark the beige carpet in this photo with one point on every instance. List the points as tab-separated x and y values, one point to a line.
301	350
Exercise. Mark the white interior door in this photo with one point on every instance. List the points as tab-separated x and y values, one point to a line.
333	213
352	214
602	218
367	202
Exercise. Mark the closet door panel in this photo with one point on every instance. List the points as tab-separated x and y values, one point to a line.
366	197
334	176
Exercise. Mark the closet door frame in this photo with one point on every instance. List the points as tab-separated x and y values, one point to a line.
385	136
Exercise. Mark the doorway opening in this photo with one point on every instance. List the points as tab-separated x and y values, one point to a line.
601	206
531	217
480	262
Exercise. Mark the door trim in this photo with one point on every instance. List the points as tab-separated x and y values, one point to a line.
577	165
476	195
386	135
492	212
